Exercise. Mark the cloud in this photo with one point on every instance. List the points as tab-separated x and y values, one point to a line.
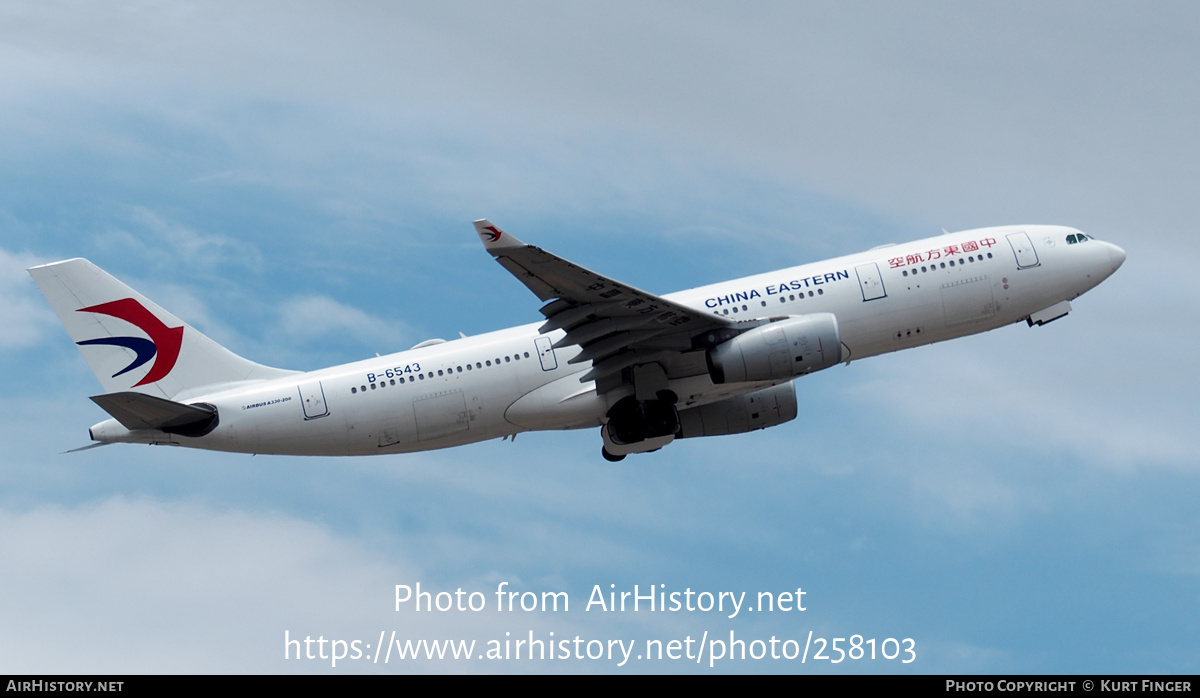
756	84
142	587
1072	384
171	244
308	318
24	315
139	586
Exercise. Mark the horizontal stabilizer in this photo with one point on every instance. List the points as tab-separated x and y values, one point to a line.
141	411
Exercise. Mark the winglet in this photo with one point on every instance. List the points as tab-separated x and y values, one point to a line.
494	238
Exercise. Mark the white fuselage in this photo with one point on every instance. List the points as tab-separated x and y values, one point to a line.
500	383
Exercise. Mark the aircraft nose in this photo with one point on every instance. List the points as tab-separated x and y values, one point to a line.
1116	256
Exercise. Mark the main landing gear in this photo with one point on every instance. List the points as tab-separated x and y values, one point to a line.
611	457
640	426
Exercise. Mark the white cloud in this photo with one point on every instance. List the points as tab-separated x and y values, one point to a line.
879	104
172	244
309	318
24	314
138	586
1102	384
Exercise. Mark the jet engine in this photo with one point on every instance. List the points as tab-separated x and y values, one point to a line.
779	350
737	415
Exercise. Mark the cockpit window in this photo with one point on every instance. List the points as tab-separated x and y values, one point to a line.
1077	237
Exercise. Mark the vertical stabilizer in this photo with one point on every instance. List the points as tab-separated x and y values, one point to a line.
131	343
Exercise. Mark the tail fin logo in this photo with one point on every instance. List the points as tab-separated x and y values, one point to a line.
493	233
163	345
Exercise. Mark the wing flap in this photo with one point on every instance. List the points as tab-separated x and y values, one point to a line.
564	315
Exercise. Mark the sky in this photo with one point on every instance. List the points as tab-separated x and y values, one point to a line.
297	180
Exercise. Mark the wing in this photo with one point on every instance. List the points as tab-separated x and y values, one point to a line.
616	326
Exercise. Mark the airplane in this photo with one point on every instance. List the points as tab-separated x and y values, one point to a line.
642	368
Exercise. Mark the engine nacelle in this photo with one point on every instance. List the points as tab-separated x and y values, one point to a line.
737	415
780	350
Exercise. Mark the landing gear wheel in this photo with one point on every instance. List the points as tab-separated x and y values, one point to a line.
610	457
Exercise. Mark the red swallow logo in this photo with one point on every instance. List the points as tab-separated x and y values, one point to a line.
163	345
493	233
